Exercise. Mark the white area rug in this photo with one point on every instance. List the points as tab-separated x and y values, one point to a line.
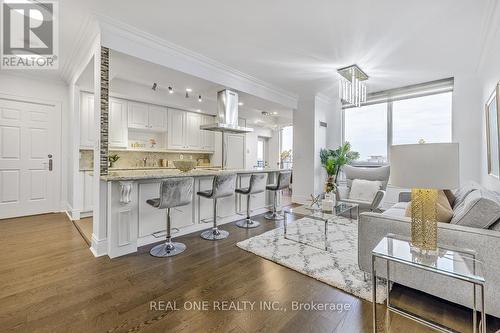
337	267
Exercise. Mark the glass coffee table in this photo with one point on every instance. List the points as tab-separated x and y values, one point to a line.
322	216
451	262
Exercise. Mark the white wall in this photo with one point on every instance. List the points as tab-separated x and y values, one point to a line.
489	74
53	90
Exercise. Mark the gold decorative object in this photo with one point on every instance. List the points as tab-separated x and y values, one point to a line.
185	165
424	219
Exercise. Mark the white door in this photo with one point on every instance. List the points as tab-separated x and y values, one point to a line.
118	131
157	118
176	129
234	151
138	115
28	168
193	131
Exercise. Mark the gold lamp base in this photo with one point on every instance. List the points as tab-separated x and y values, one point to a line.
423	220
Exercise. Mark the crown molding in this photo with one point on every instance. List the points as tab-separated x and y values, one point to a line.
86	41
489	31
123	37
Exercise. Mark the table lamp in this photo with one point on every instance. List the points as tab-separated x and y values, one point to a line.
424	168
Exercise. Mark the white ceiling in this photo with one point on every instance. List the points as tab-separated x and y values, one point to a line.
298	45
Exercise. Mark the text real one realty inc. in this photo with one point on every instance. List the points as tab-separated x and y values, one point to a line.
246	306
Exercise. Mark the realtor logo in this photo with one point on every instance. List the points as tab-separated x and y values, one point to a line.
29	34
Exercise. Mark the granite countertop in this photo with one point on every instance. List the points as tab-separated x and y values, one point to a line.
167	173
146	168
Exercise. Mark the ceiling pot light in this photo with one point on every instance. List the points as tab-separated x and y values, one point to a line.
199	99
189	89
170	90
241	103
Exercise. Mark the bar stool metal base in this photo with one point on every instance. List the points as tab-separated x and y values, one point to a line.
274	216
214	234
168	249
247	224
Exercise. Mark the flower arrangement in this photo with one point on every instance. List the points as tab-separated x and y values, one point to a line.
112	159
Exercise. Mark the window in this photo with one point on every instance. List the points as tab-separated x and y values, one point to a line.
366	130
286	149
425	118
260	152
400	116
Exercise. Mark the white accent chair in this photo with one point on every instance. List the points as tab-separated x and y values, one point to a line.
373	174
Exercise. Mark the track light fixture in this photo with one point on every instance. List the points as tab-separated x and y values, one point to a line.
170	90
155	86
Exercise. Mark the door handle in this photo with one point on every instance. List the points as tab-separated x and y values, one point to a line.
50	161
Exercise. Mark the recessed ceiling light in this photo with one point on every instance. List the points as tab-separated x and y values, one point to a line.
199	98
198	110
170	90
274	113
241	104
189	89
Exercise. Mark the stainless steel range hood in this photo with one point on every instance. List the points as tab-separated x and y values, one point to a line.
227	114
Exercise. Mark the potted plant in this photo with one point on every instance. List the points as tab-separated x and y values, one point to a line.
112	159
333	160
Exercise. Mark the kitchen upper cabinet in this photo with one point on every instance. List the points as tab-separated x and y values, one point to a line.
145	116
176	129
87	127
192	132
184	130
207	137
138	115
157	117
118	130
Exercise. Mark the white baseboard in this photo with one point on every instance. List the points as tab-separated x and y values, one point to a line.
73	214
99	247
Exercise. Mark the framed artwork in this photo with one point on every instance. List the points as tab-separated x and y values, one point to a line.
492	132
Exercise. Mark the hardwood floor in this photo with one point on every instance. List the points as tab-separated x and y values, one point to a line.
52	283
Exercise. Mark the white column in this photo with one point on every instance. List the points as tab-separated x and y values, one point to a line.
308	138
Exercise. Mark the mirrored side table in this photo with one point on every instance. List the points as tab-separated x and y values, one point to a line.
451	262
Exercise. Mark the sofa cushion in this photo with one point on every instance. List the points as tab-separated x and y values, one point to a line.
461	193
398	210
364	190
479	209
444	213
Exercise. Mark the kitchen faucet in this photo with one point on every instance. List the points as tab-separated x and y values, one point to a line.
145	161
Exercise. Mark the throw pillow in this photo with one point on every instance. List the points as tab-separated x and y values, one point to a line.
364	190
444	213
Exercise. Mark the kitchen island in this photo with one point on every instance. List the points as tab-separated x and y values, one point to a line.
131	222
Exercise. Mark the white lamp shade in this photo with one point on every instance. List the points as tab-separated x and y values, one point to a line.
426	166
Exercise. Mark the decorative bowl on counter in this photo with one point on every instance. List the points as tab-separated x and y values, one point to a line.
185	165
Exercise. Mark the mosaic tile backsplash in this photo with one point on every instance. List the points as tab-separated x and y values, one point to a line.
135	159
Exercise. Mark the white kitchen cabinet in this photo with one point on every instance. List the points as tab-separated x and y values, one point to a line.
146	116
176	129
207	137
184	130
153	220
118	129
138	115
88	188
87	127
193	132
157	118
